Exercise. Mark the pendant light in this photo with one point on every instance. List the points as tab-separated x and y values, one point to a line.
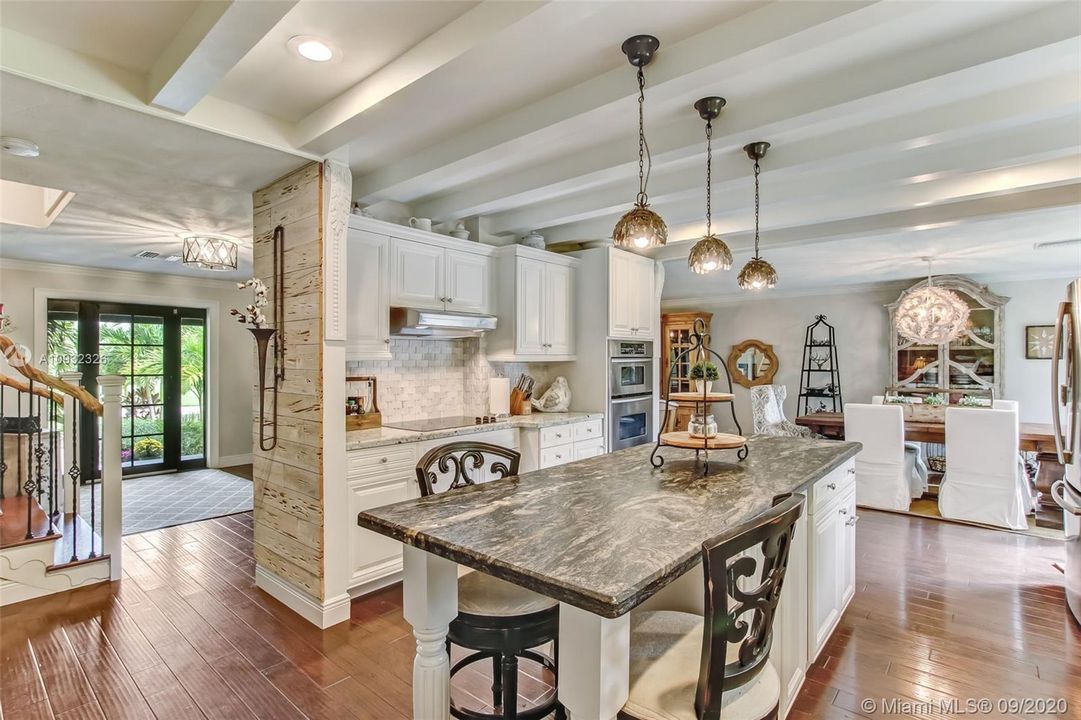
710	253
641	228
931	315
757	274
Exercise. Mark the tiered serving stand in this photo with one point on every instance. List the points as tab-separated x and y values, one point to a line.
701	401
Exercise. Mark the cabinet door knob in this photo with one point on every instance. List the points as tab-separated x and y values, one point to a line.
851	471
559	457
831	486
386	340
382	459
852	520
450	300
843	511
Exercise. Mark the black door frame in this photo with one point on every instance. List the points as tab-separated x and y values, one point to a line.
89	312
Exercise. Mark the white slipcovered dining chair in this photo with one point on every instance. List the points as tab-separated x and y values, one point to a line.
767	413
984	482
886	476
913	450
1030	489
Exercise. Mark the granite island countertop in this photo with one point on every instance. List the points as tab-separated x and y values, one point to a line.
380	437
606	533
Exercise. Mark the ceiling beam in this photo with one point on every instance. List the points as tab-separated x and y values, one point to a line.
212	41
775	29
931	136
338	122
965	67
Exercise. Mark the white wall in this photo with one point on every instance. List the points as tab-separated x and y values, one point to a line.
231	365
862	332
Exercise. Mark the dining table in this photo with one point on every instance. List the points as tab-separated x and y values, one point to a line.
1034	437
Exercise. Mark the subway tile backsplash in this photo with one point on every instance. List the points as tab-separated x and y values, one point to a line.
439	378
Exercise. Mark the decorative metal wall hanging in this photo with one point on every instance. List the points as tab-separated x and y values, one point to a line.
757	274
710	253
641	228
706	437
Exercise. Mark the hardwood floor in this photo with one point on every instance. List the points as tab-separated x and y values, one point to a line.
940	611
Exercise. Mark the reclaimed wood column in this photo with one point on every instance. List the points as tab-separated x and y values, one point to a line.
288	480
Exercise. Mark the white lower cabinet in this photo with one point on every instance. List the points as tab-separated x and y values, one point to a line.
560	444
832	555
789	650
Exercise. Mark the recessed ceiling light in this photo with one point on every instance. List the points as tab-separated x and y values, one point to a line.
312	48
19	147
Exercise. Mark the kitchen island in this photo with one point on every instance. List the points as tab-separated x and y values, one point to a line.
606	534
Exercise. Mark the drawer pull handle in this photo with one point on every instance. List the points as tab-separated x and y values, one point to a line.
852	520
831	486
559	435
851	471
589	430
559	457
843	511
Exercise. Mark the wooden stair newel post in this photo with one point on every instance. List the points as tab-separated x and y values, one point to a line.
111	472
69	453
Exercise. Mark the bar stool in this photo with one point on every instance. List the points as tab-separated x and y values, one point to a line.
497	620
690	667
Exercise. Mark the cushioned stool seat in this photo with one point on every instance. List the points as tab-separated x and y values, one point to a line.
480	594
666	652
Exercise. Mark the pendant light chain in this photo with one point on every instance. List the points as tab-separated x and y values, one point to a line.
645	162
709	178
757	204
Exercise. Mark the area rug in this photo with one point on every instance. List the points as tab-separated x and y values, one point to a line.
162	501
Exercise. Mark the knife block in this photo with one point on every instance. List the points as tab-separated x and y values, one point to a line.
519	403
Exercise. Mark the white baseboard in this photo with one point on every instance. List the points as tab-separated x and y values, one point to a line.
232	460
370	586
335	610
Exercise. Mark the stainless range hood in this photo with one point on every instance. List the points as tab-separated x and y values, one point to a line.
437	325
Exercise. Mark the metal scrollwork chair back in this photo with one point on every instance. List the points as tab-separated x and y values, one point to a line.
742	591
461	464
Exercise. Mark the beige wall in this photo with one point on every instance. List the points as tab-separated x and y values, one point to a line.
230	373
862	331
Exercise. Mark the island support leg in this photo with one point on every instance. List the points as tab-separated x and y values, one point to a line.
594	663
430	602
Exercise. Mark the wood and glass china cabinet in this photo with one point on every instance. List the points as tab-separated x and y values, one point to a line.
971	363
676	331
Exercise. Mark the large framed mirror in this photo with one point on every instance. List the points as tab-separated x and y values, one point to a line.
752	362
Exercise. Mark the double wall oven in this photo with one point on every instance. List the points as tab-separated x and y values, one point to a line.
631	394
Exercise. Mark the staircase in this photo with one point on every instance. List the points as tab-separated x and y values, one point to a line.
57	557
47	544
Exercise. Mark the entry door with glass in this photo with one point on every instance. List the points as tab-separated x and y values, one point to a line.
160	352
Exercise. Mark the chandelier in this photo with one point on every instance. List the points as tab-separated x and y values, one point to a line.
757	274
931	315
710	253
641	228
209	252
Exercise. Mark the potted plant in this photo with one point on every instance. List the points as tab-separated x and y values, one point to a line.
704	374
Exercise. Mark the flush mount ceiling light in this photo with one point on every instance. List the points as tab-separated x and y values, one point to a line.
757	274
19	147
710	253
209	252
312	48
930	315
641	228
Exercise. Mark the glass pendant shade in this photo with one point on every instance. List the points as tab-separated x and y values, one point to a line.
757	274
640	229
209	253
931	315
709	254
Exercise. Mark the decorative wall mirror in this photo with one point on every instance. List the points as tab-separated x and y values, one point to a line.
752	362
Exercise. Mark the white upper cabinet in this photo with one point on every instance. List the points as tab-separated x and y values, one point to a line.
630	295
467	282
368	295
530	302
535	302
418	275
558	319
437	278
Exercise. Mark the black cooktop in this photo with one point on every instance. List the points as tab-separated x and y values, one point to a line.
443	423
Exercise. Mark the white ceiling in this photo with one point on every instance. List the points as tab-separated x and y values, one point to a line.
884	116
138	181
